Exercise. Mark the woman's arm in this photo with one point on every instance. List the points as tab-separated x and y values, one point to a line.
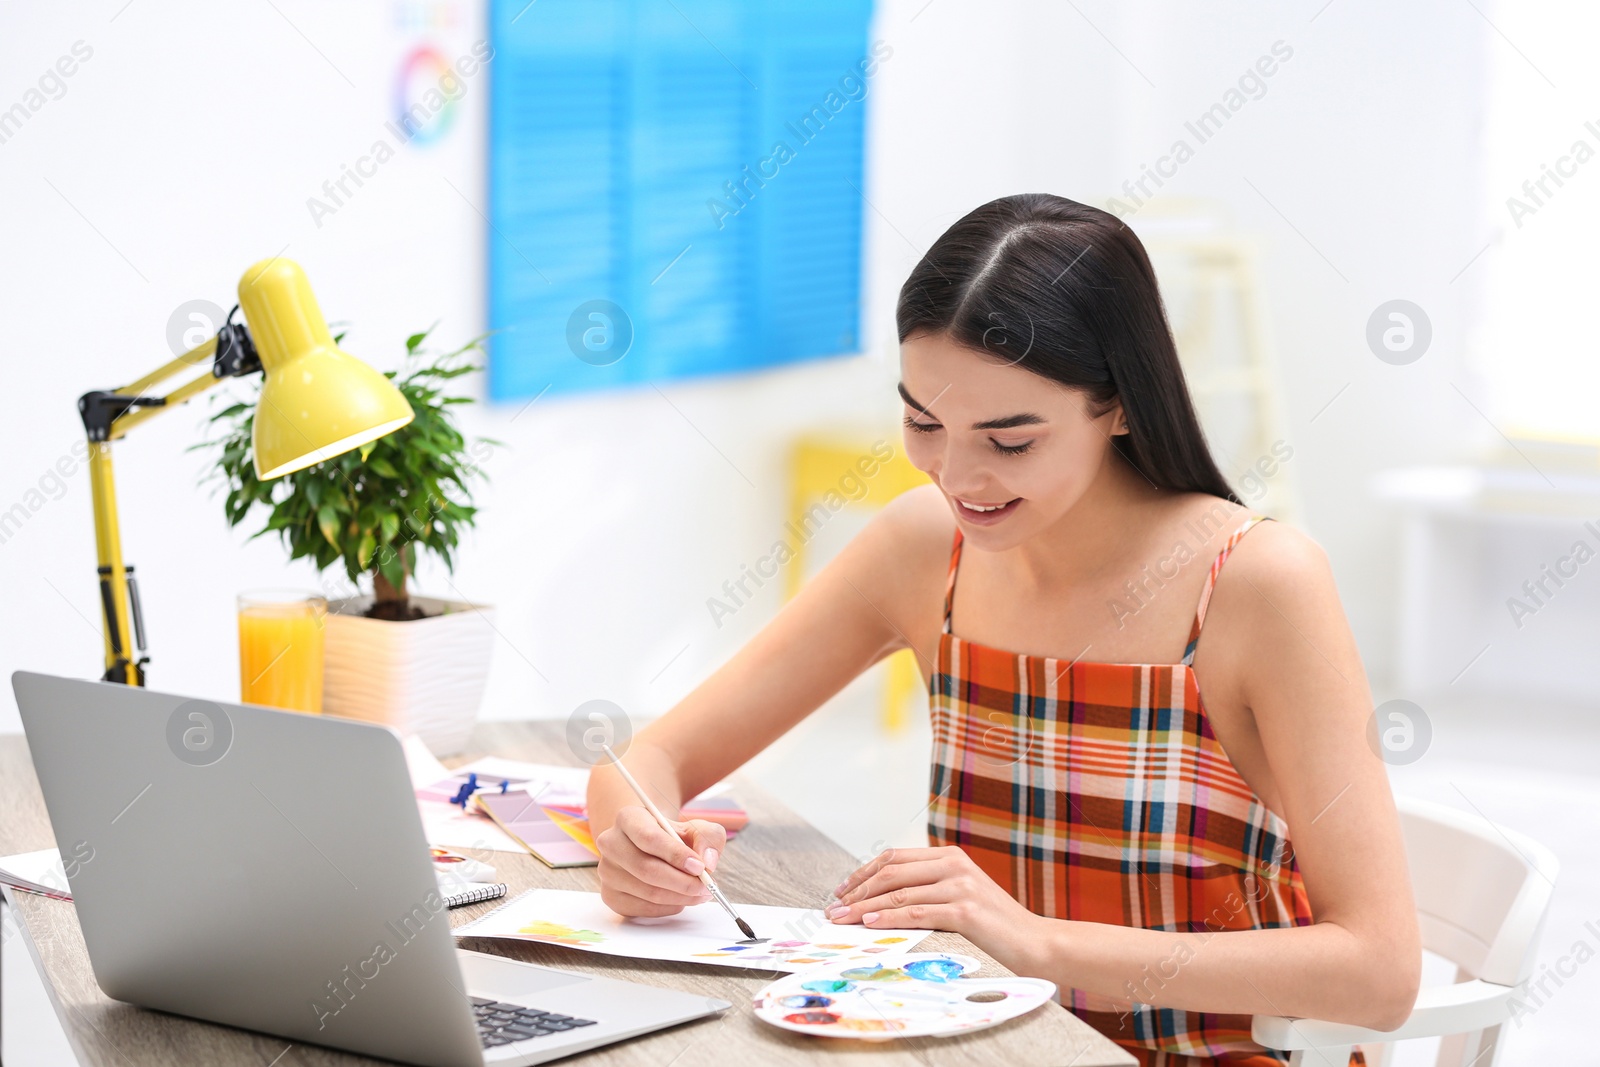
1275	638
881	593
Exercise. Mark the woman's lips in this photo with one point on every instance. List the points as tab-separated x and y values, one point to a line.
979	513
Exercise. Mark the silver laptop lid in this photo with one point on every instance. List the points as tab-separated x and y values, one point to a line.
259	868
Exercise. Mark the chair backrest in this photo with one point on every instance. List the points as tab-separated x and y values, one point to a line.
1481	891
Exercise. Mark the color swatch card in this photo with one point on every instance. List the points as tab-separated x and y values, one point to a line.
791	939
557	837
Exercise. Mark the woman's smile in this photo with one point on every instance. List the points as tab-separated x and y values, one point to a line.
981	514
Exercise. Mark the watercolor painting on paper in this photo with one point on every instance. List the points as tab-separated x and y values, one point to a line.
791	939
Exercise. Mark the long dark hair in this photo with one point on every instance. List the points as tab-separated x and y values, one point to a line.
1066	291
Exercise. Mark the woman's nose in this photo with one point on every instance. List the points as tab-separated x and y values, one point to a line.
961	475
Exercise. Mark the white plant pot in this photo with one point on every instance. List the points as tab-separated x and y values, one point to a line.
422	676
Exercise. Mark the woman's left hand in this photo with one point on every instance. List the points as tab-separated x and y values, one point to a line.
929	889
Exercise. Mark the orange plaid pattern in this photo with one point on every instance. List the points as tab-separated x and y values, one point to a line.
1098	792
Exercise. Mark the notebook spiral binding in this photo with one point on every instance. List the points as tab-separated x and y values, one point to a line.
476	895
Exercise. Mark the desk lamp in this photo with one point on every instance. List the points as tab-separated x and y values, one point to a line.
316	403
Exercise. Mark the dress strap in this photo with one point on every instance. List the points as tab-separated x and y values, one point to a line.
1211	583
950	580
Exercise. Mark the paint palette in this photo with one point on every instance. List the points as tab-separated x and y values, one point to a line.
919	994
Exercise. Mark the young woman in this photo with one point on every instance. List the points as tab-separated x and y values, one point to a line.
1095	820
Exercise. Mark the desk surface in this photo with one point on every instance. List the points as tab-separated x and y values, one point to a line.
780	859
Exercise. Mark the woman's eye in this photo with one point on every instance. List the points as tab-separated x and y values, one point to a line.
1011	450
921	427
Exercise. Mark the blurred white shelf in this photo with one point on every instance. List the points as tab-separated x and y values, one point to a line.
1495	594
1492	491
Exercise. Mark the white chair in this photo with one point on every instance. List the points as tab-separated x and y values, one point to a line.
1482	895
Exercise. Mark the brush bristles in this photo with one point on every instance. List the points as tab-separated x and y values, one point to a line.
744	927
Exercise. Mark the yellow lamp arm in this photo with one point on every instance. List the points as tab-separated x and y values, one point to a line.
107	416
337	402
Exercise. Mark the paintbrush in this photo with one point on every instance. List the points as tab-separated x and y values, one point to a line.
705	876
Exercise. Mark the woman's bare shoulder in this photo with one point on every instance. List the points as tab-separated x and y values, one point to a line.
920	522
905	549
1278	588
1280	558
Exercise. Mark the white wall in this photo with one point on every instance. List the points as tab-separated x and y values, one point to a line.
185	149
1365	142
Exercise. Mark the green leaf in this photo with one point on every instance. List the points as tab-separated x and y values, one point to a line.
364	550
328	520
474	345
427	372
383	467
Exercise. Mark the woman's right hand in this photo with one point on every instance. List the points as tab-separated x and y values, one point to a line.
645	871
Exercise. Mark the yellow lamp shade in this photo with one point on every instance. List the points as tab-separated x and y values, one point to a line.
317	401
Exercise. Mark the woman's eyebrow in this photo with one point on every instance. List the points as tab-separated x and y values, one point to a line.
1024	419
907	398
1006	423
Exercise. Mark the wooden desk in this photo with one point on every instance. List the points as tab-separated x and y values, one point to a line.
780	859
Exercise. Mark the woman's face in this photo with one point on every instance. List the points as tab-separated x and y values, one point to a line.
1011	451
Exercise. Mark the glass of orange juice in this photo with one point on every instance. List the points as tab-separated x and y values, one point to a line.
280	649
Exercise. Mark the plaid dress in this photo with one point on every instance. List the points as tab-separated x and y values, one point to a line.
1098	792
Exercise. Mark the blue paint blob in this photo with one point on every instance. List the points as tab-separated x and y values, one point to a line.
803	1000
828	985
934	970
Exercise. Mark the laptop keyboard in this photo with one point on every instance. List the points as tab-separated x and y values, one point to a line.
500	1023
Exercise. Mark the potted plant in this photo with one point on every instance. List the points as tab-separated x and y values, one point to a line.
416	663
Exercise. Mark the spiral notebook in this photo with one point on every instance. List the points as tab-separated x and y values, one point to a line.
476	895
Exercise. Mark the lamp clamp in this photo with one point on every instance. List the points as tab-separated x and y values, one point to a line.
236	352
99	408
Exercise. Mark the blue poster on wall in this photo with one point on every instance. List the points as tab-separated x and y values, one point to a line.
675	187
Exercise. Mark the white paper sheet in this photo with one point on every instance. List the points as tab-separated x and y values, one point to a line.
422	764
796	938
42	868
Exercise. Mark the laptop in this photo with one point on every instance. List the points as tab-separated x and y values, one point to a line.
268	870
